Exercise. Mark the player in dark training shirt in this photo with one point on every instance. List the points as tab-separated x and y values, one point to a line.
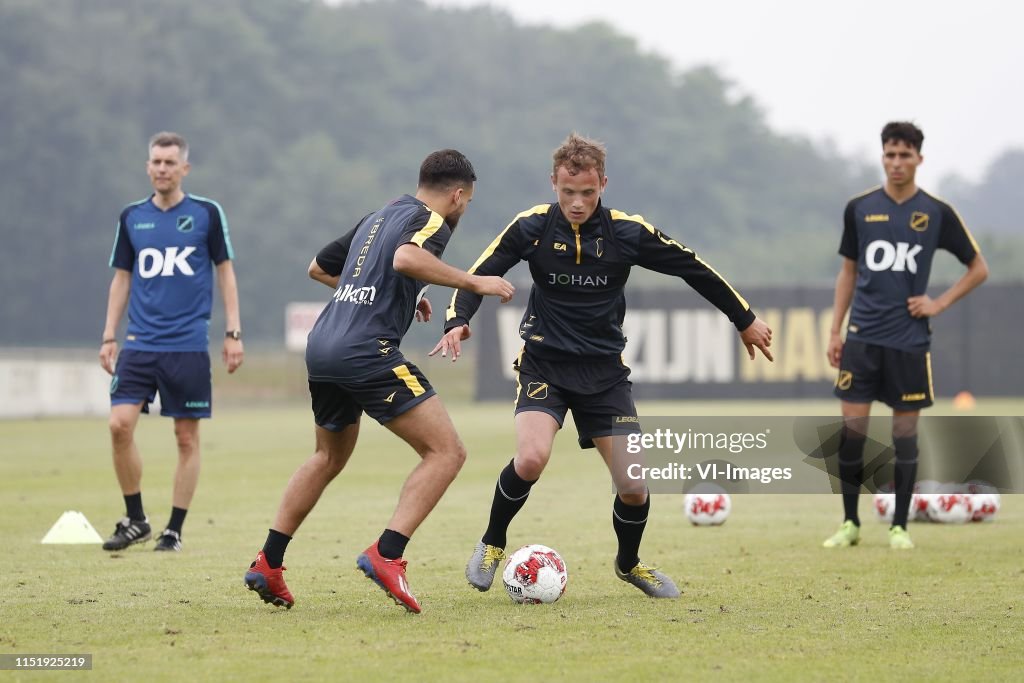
580	255
379	271
166	251
890	235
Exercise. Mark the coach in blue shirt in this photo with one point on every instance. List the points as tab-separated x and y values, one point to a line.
164	255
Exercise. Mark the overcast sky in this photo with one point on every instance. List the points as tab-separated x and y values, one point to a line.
839	70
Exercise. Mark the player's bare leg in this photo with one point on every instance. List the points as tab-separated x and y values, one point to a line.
127	462
307	484
333	450
134	527
535	435
428	429
186	478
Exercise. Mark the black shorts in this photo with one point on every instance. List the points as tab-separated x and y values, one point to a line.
900	379
181	377
597	393
384	396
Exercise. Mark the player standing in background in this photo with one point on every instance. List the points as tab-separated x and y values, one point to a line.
379	271
162	258
890	235
580	255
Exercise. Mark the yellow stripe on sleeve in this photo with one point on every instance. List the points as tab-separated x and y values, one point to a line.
621	215
974	243
539	209
427	231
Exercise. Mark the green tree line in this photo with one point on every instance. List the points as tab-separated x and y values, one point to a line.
302	117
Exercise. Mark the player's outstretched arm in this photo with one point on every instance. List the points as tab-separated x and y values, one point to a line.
233	350
757	334
117	301
419	264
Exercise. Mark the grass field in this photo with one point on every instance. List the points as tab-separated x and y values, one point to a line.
762	600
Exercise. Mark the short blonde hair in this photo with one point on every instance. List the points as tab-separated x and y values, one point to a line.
169	139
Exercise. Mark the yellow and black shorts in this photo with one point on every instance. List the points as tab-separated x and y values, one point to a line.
383	396
900	379
598	392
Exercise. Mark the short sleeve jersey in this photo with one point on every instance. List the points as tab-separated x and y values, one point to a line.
371	310
893	245
170	255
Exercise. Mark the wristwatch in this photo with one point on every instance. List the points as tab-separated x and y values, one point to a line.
233	334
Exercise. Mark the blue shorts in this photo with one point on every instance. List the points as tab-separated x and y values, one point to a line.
182	378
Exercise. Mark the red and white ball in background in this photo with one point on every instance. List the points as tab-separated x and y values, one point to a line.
707	509
951	508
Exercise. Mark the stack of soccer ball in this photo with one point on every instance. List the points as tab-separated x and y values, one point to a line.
945	503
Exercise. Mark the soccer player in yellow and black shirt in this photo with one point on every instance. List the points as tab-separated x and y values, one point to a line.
580	254
379	272
890	235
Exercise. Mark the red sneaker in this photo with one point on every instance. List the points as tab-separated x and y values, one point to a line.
268	583
389	575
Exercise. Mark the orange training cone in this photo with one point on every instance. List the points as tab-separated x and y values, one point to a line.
963	401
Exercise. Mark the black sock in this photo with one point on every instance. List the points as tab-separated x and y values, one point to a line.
133	504
392	544
629	522
510	495
274	548
851	474
177	519
906	475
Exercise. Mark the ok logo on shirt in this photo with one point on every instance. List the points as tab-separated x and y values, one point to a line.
153	262
883	255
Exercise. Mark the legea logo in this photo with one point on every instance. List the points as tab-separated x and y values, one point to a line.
153	262
882	255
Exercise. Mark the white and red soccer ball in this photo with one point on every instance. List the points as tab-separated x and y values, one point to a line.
986	500
920	503
986	506
707	509
951	508
535	574
884	505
